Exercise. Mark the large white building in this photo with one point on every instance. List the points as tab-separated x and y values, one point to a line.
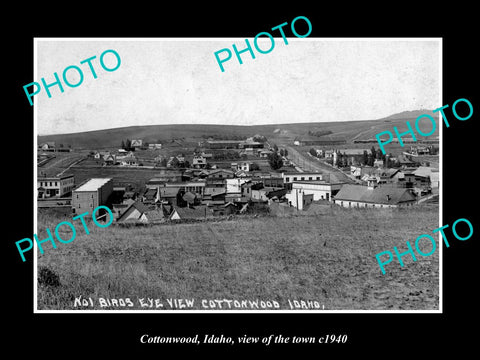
299	199
320	190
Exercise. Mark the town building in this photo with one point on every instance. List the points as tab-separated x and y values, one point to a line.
128	160
432	173
321	190
199	162
47	146
244	165
136	144
54	186
222	144
154	146
289	177
191	213
91	194
299	199
250	145
373	196
137	212
264	153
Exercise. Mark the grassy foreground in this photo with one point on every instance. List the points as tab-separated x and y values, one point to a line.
327	257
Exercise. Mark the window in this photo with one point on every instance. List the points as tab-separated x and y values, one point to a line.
349	204
318	177
302	178
295	178
50	183
288	179
310	178
56	183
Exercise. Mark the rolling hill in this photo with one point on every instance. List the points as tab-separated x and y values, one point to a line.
350	130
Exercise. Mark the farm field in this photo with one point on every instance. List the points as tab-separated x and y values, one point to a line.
326	256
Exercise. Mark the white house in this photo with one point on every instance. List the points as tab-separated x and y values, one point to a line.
138	143
298	199
319	189
154	146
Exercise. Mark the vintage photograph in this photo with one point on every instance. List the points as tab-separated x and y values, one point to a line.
166	184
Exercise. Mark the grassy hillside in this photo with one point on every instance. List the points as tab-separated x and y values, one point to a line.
365	129
327	257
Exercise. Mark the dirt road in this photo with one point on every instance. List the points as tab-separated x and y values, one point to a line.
308	164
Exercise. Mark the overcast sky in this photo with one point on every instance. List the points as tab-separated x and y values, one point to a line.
178	81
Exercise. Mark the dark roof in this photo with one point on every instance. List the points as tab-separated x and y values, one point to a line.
197	212
189	196
136	205
379	195
140	206
150	192
154	215
169	192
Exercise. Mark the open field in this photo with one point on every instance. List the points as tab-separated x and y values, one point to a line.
326	256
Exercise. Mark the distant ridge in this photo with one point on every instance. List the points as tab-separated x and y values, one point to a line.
107	138
413	114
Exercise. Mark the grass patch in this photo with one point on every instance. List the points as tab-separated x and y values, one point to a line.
327	257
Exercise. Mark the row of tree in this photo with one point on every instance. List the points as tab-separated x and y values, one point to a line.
275	158
369	158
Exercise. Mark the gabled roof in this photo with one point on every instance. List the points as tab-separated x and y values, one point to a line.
381	195
220	170
197	212
138	142
155	215
136	205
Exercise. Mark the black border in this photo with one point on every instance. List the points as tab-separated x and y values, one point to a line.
111	333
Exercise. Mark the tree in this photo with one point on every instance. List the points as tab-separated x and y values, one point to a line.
254	167
174	163
365	157
281	152
374	152
275	161
128	145
122	146
163	162
285	152
312	152
379	154
275	148
371	160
